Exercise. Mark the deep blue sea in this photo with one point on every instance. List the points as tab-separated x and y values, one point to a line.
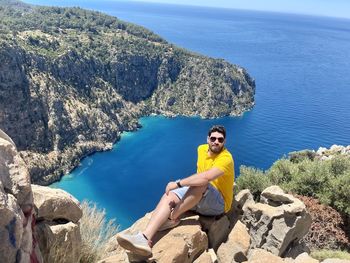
301	65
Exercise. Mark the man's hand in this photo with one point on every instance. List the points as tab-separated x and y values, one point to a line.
170	186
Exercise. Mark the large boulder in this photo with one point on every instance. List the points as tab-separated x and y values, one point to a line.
58	231
55	204
59	242
277	223
235	249
16	207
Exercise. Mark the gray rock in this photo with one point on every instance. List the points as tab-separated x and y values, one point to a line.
16	203
235	249
59	243
55	204
278	227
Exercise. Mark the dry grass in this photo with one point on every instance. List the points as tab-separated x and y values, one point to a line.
95	232
324	253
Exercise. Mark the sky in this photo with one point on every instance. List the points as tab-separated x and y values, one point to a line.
333	8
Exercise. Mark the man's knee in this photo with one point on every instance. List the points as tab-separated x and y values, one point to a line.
170	198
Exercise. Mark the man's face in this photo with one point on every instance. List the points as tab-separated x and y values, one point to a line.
216	142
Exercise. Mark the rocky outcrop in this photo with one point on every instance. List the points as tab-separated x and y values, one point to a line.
17	219
57	227
263	230
37	224
278	223
72	80
326	154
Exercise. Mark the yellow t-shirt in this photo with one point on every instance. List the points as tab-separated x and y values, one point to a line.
223	161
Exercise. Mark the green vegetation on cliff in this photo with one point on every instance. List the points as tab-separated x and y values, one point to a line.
301	173
72	80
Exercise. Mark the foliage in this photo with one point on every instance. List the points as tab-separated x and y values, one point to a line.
95	232
325	253
253	179
329	229
327	180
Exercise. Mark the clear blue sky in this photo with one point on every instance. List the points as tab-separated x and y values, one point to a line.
335	8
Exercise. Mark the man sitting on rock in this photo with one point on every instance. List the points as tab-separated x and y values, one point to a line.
208	192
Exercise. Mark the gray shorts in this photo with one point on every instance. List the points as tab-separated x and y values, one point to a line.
211	204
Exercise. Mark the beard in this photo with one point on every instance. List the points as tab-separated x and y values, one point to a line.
215	148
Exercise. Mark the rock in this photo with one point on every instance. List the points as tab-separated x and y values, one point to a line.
297	249
60	242
277	227
16	207
236	247
263	256
305	258
207	257
217	229
55	204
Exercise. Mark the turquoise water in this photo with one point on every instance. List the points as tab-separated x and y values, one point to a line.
302	69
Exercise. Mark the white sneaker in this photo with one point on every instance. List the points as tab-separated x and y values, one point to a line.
137	243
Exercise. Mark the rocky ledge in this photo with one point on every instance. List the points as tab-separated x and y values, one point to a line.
254	232
72	80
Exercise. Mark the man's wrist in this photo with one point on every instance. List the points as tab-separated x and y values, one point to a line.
178	183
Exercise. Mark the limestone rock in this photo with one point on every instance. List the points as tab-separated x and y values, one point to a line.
207	257
278	223
53	204
263	256
216	229
305	258
236	247
16	207
59	241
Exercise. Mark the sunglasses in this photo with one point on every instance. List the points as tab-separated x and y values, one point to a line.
213	139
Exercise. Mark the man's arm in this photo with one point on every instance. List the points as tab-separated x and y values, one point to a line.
197	179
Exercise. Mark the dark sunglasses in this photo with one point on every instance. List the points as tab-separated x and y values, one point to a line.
213	139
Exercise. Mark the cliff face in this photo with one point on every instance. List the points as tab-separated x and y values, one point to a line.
71	80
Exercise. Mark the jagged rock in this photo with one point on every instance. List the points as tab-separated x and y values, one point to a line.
207	257
276	228
59	242
305	258
262	256
240	200
16	207
296	250
216	229
55	204
236	247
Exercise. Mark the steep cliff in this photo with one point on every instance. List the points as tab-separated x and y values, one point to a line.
72	80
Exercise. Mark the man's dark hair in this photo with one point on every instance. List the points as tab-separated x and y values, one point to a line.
217	128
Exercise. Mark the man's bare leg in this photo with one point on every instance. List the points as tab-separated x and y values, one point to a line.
191	198
160	214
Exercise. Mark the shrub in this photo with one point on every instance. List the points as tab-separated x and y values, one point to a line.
296	157
324	254
95	232
253	179
329	229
